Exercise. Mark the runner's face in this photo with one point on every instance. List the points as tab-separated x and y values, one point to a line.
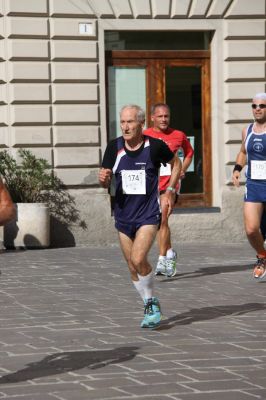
161	119
259	114
130	126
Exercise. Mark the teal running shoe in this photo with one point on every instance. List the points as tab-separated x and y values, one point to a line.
152	313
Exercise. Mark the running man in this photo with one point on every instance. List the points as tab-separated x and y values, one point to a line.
160	116
253	149
134	159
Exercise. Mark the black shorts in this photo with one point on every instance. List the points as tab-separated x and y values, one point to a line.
130	228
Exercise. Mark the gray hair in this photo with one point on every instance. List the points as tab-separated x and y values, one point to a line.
260	96
140	111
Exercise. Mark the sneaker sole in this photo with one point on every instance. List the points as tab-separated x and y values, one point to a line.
259	278
172	274
151	325
156	273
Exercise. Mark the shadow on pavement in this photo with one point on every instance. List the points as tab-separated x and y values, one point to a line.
208	313
204	271
70	361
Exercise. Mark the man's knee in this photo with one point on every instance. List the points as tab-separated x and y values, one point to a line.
252	230
136	260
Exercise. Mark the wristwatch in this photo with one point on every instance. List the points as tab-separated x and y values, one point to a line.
171	189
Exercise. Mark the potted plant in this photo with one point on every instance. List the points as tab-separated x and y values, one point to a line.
38	195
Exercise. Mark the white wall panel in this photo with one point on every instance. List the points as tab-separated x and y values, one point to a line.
70	7
76	156
244	70
28	49
26	7
180	8
78	176
3	115
71	92
86	135
121	8
244	8
26	136
160	9
244	28
29	92
20	71
73	114
69	50
242	90
101	8
4	137
74	71
69	28
199	8
18	26
244	49
141	8
217	8
236	112
30	114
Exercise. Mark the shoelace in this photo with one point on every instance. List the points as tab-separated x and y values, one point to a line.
260	262
148	308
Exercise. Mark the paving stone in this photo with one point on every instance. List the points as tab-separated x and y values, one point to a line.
69	327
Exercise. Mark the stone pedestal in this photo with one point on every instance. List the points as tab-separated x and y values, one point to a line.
30	229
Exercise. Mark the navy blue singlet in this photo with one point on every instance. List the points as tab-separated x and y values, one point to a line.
136	208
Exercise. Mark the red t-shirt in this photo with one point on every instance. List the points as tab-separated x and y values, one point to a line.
175	140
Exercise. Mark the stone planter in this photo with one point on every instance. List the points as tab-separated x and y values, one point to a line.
30	229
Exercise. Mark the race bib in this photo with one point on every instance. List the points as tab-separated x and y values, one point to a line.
258	169
134	181
165	170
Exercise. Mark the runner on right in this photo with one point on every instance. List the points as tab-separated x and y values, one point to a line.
253	151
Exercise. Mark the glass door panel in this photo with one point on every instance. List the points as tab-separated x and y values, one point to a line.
126	85
183	95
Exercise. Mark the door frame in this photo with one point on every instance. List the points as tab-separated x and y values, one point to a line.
155	62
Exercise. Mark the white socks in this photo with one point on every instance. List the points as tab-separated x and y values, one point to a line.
145	286
170	254
138	286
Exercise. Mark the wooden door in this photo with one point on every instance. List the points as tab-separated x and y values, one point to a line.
182	80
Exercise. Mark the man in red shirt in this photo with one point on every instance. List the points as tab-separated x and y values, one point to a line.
160	116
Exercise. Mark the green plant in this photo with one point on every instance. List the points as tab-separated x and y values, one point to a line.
27	181
32	181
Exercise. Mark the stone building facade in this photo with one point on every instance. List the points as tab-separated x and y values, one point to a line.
54	95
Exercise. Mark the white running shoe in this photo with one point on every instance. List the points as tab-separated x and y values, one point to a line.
160	267
170	267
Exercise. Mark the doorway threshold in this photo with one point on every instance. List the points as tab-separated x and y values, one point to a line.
196	210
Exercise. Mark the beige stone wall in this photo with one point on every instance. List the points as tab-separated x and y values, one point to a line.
52	80
50	85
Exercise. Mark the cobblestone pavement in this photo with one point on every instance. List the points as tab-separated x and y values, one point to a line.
70	327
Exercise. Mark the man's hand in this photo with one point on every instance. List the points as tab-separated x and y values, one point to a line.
105	176
182	174
236	178
168	201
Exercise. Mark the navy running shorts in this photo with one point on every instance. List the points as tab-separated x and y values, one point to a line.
130	228
255	193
